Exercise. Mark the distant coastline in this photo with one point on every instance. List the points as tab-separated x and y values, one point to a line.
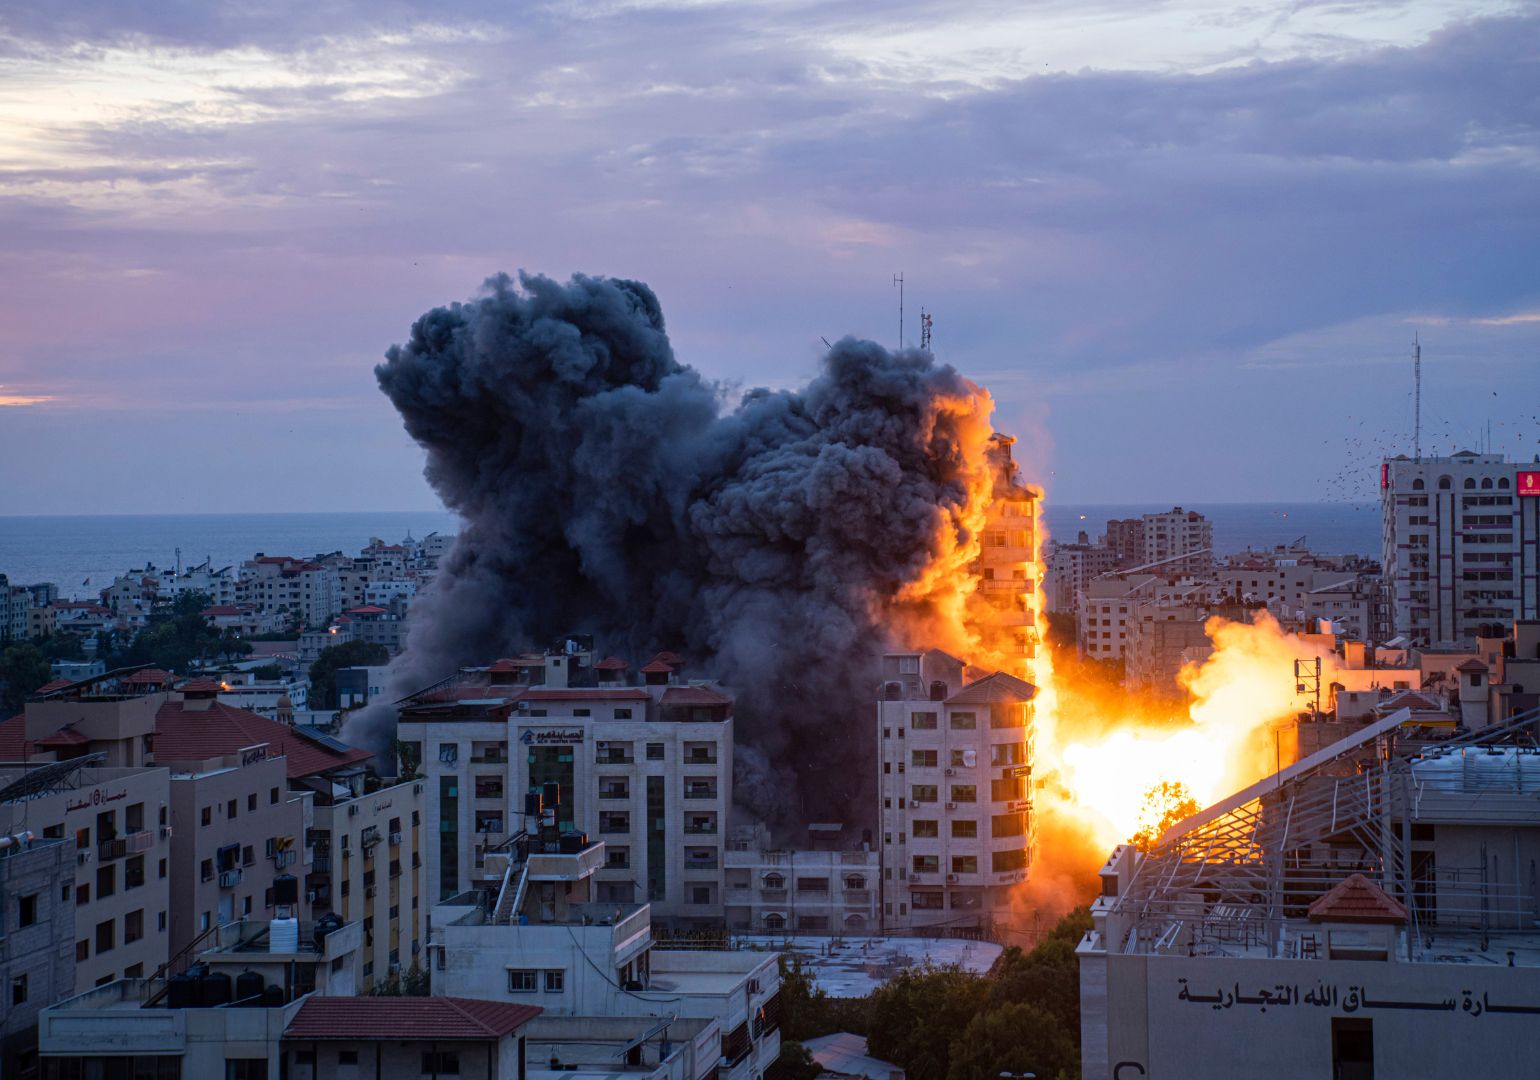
72	550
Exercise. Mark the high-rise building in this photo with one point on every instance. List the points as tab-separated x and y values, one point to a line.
1180	541
644	765
954	776
1458	544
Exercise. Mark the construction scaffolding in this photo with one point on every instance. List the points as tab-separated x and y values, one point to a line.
1238	878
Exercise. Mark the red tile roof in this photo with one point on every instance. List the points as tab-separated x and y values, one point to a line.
220	729
224	609
694	695
994	689
14	744
657	667
504	665
1357	900
65	736
1471	665
407	1019
612	663
367	609
624	693
669	658
199	686
152	676
50	687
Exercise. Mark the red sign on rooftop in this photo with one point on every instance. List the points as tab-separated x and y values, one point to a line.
1529	483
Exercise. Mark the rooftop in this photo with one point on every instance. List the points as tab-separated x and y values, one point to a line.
441	1019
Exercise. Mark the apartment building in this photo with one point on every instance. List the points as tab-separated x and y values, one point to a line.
1007	567
1460	545
802	891
1070	567
115	825
1107	607
304	590
37	941
955	765
643	763
1181	541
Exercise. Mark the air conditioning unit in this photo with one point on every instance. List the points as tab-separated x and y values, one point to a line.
369	892
311	895
395	839
951	772
951	806
165	832
82	857
951	877
352	811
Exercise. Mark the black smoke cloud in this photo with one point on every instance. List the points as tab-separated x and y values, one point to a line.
608	489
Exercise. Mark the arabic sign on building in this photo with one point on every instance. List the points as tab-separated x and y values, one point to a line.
97	797
1529	483
550	736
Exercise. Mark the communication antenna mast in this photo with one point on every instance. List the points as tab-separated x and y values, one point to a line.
924	330
898	279
1307	680
1417	397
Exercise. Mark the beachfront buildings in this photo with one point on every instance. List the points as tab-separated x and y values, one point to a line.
643	763
1460	545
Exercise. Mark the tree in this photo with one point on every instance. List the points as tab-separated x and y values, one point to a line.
1014	1038
795	1062
917	1014
24	668
61	646
323	673
268	672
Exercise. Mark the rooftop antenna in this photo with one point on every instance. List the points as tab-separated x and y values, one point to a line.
925	330
898	279
1417	396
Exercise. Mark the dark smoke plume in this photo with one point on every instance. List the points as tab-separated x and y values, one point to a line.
608	489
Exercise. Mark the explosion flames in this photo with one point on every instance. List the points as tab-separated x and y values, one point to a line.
782	544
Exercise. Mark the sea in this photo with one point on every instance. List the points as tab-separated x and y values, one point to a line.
83	553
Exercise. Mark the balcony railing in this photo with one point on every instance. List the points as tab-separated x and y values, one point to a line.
700	793
700	864
111	849
701	830
615	759
700	759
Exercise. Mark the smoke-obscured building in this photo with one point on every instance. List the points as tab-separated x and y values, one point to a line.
1070	567
1460	545
644	764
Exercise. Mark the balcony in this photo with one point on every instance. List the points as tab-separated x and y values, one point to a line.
108	850
321	863
701	864
857	896
773	896
700	793
701	829
614	791
614	758
697	757
229	879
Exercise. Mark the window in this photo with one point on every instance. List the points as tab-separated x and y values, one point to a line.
248	855
614	821
965	829
133	926
926	901
272	796
26	910
923	759
965	793
554	981
347	1057
923	721
106	936
522	981
82	895
923	793
617	858
965	864
813	884
654	751
206	869
82	950
1003	861
448	753
926	829
775	881
160	921
133	818
82	839
1008	825
442	1062
19	989
926	864
206	816
700	894
964	721
622	714
162	871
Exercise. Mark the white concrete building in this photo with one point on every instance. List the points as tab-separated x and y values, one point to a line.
1460	545
540	936
803	891
956	821
646	768
1181	541
1107	607
1368	911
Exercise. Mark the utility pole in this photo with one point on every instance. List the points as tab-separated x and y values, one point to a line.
898	280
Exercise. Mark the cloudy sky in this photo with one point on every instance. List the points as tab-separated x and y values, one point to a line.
1185	245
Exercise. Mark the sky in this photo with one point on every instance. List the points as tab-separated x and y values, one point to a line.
1186	246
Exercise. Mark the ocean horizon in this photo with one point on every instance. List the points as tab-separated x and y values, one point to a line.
82	553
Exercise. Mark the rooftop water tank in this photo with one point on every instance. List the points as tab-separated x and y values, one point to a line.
283	936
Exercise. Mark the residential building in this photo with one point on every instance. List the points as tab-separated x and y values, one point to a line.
358	686
1179	541
1367	911
802	891
1107	607
541	936
1070	567
956	821
1125	539
1460	545
644	764
37	941
114	823
400	1037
